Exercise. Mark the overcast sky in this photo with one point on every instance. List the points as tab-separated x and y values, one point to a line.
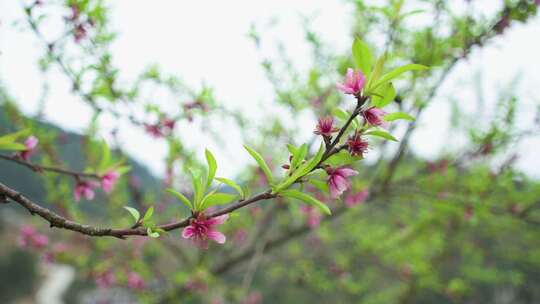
178	36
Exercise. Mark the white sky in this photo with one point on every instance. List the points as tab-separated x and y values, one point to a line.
206	41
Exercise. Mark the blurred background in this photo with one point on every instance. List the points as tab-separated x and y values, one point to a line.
452	213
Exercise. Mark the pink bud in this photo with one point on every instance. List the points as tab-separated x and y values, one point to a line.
354	82
30	144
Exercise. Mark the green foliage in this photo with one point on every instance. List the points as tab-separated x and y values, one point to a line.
398	116
262	164
232	184
134	213
362	56
381	134
300	172
306	198
8	141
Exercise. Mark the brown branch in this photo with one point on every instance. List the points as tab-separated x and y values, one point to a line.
56	220
40	168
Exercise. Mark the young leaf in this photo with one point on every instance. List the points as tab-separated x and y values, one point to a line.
123	170
105	156
319	184
292	149
232	184
341	158
151	233
362	56
387	94
398	115
262	164
198	187
344	116
299	156
215	199
148	214
181	197
301	171
136	215
377	71
212	167
12	146
9	138
397	72
381	133
293	193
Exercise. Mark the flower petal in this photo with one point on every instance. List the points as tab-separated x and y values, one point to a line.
345	172
217	236
188	232
218	220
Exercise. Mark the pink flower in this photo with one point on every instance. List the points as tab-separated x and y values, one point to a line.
200	230
85	189
354	82
135	281
374	117
26	234
109	180
30	143
105	279
325	126
313	219
356	145
337	180
357	198
154	130
40	241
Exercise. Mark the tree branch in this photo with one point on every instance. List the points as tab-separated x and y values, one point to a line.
39	168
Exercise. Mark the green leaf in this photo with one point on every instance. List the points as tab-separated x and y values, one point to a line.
148	214
232	184
151	233
11	137
293	193
12	146
362	56
377	71
383	95
397	72
301	171
123	170
214	199
198	187
381	133
181	197
262	164
105	158
397	116
136	215
344	116
343	157
319	184
212	167
292	149
299	156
